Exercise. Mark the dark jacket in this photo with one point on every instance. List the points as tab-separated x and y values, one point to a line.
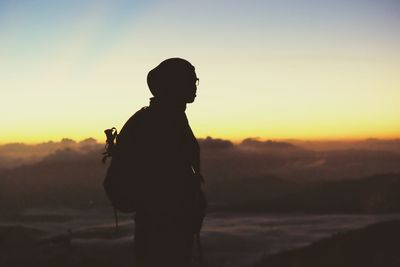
158	144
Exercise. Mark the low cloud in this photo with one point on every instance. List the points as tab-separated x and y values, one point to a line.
15	154
215	143
269	144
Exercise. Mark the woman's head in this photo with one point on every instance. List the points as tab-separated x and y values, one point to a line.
174	79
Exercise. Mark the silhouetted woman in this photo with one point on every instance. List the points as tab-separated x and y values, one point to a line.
159	141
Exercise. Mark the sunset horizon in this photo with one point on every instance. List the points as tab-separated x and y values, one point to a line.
308	71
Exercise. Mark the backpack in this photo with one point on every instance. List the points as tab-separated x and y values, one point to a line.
120	183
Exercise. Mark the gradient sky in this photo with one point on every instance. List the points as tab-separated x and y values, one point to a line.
271	69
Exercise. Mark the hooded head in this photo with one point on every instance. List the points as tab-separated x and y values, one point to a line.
173	79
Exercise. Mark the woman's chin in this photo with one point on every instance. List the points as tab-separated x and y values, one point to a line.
190	99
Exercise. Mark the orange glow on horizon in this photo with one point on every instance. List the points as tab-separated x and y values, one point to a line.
32	140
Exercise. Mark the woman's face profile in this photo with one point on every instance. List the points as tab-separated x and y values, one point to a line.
188	87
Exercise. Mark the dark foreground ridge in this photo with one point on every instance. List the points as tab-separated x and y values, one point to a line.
22	246
373	246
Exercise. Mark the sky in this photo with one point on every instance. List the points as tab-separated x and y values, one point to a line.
273	69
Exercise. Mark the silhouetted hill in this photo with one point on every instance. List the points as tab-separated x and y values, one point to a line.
379	193
287	179
27	247
373	246
237	193
66	178
69	178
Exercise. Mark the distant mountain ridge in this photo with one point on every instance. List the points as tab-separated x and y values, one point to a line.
373	246
374	194
268	176
72	179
